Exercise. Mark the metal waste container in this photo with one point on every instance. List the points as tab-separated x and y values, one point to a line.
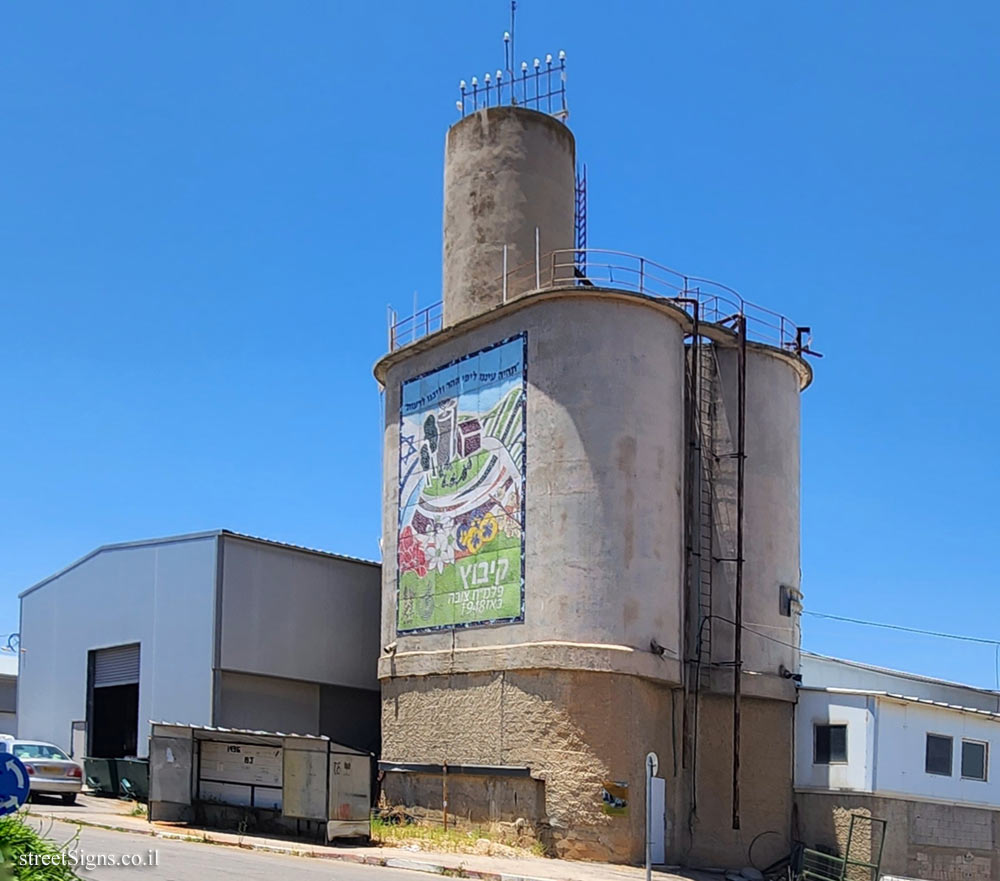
101	776
133	778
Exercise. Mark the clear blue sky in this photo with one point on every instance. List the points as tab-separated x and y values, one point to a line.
207	206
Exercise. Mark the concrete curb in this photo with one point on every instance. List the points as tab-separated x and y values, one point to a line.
291	850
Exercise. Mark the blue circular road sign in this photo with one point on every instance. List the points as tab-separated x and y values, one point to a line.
14	783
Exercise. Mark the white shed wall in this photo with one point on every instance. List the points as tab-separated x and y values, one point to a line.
161	595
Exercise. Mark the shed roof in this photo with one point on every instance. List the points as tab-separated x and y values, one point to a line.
890	671
193	536
905	698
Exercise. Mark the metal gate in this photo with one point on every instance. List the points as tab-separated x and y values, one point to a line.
118	665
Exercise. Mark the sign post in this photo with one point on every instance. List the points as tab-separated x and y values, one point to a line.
652	766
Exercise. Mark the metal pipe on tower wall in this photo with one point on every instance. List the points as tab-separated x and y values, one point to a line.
738	627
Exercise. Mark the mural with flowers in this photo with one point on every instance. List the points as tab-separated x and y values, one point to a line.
460	546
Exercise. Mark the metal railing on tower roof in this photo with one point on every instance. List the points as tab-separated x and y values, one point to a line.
530	87
599	269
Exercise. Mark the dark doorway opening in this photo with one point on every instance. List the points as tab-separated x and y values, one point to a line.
113	701
114	731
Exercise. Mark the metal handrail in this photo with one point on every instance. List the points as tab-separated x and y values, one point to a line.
621	270
403	331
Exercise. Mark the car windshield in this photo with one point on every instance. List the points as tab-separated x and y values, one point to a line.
38	751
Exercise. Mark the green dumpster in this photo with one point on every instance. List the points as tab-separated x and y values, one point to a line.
101	776
133	778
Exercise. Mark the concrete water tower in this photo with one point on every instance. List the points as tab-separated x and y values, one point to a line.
590	520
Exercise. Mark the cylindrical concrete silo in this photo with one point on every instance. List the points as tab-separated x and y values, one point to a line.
603	507
573	685
508	172
771	571
534	559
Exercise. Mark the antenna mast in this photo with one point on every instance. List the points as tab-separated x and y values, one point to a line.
513	9
508	53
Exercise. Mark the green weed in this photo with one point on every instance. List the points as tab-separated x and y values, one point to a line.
20	843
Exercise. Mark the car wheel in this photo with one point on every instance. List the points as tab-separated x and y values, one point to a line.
69	798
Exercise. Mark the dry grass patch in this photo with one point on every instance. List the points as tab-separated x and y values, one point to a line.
498	839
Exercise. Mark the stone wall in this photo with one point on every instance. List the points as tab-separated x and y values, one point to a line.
473	799
575	730
937	842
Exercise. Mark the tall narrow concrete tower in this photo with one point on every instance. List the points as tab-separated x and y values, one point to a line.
508	172
590	525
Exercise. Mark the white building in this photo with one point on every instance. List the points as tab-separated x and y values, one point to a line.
918	752
212	628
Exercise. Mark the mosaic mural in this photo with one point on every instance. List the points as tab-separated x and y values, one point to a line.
460	549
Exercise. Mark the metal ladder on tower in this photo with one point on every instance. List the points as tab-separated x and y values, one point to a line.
706	459
580	225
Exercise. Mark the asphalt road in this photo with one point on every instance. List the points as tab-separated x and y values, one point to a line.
192	861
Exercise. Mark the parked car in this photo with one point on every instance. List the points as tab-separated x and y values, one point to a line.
50	770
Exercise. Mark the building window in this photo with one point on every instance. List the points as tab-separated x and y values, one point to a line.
830	745
938	756
974	758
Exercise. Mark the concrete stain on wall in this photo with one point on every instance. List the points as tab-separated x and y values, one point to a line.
461	492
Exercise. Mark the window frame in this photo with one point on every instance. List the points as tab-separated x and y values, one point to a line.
985	744
831	760
784	601
951	756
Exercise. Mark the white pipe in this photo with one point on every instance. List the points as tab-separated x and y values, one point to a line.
649	818
505	273
538	277
652	766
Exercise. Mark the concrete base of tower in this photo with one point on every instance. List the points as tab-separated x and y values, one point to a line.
766	796
563	752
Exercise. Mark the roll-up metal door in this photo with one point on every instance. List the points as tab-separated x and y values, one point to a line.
118	665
